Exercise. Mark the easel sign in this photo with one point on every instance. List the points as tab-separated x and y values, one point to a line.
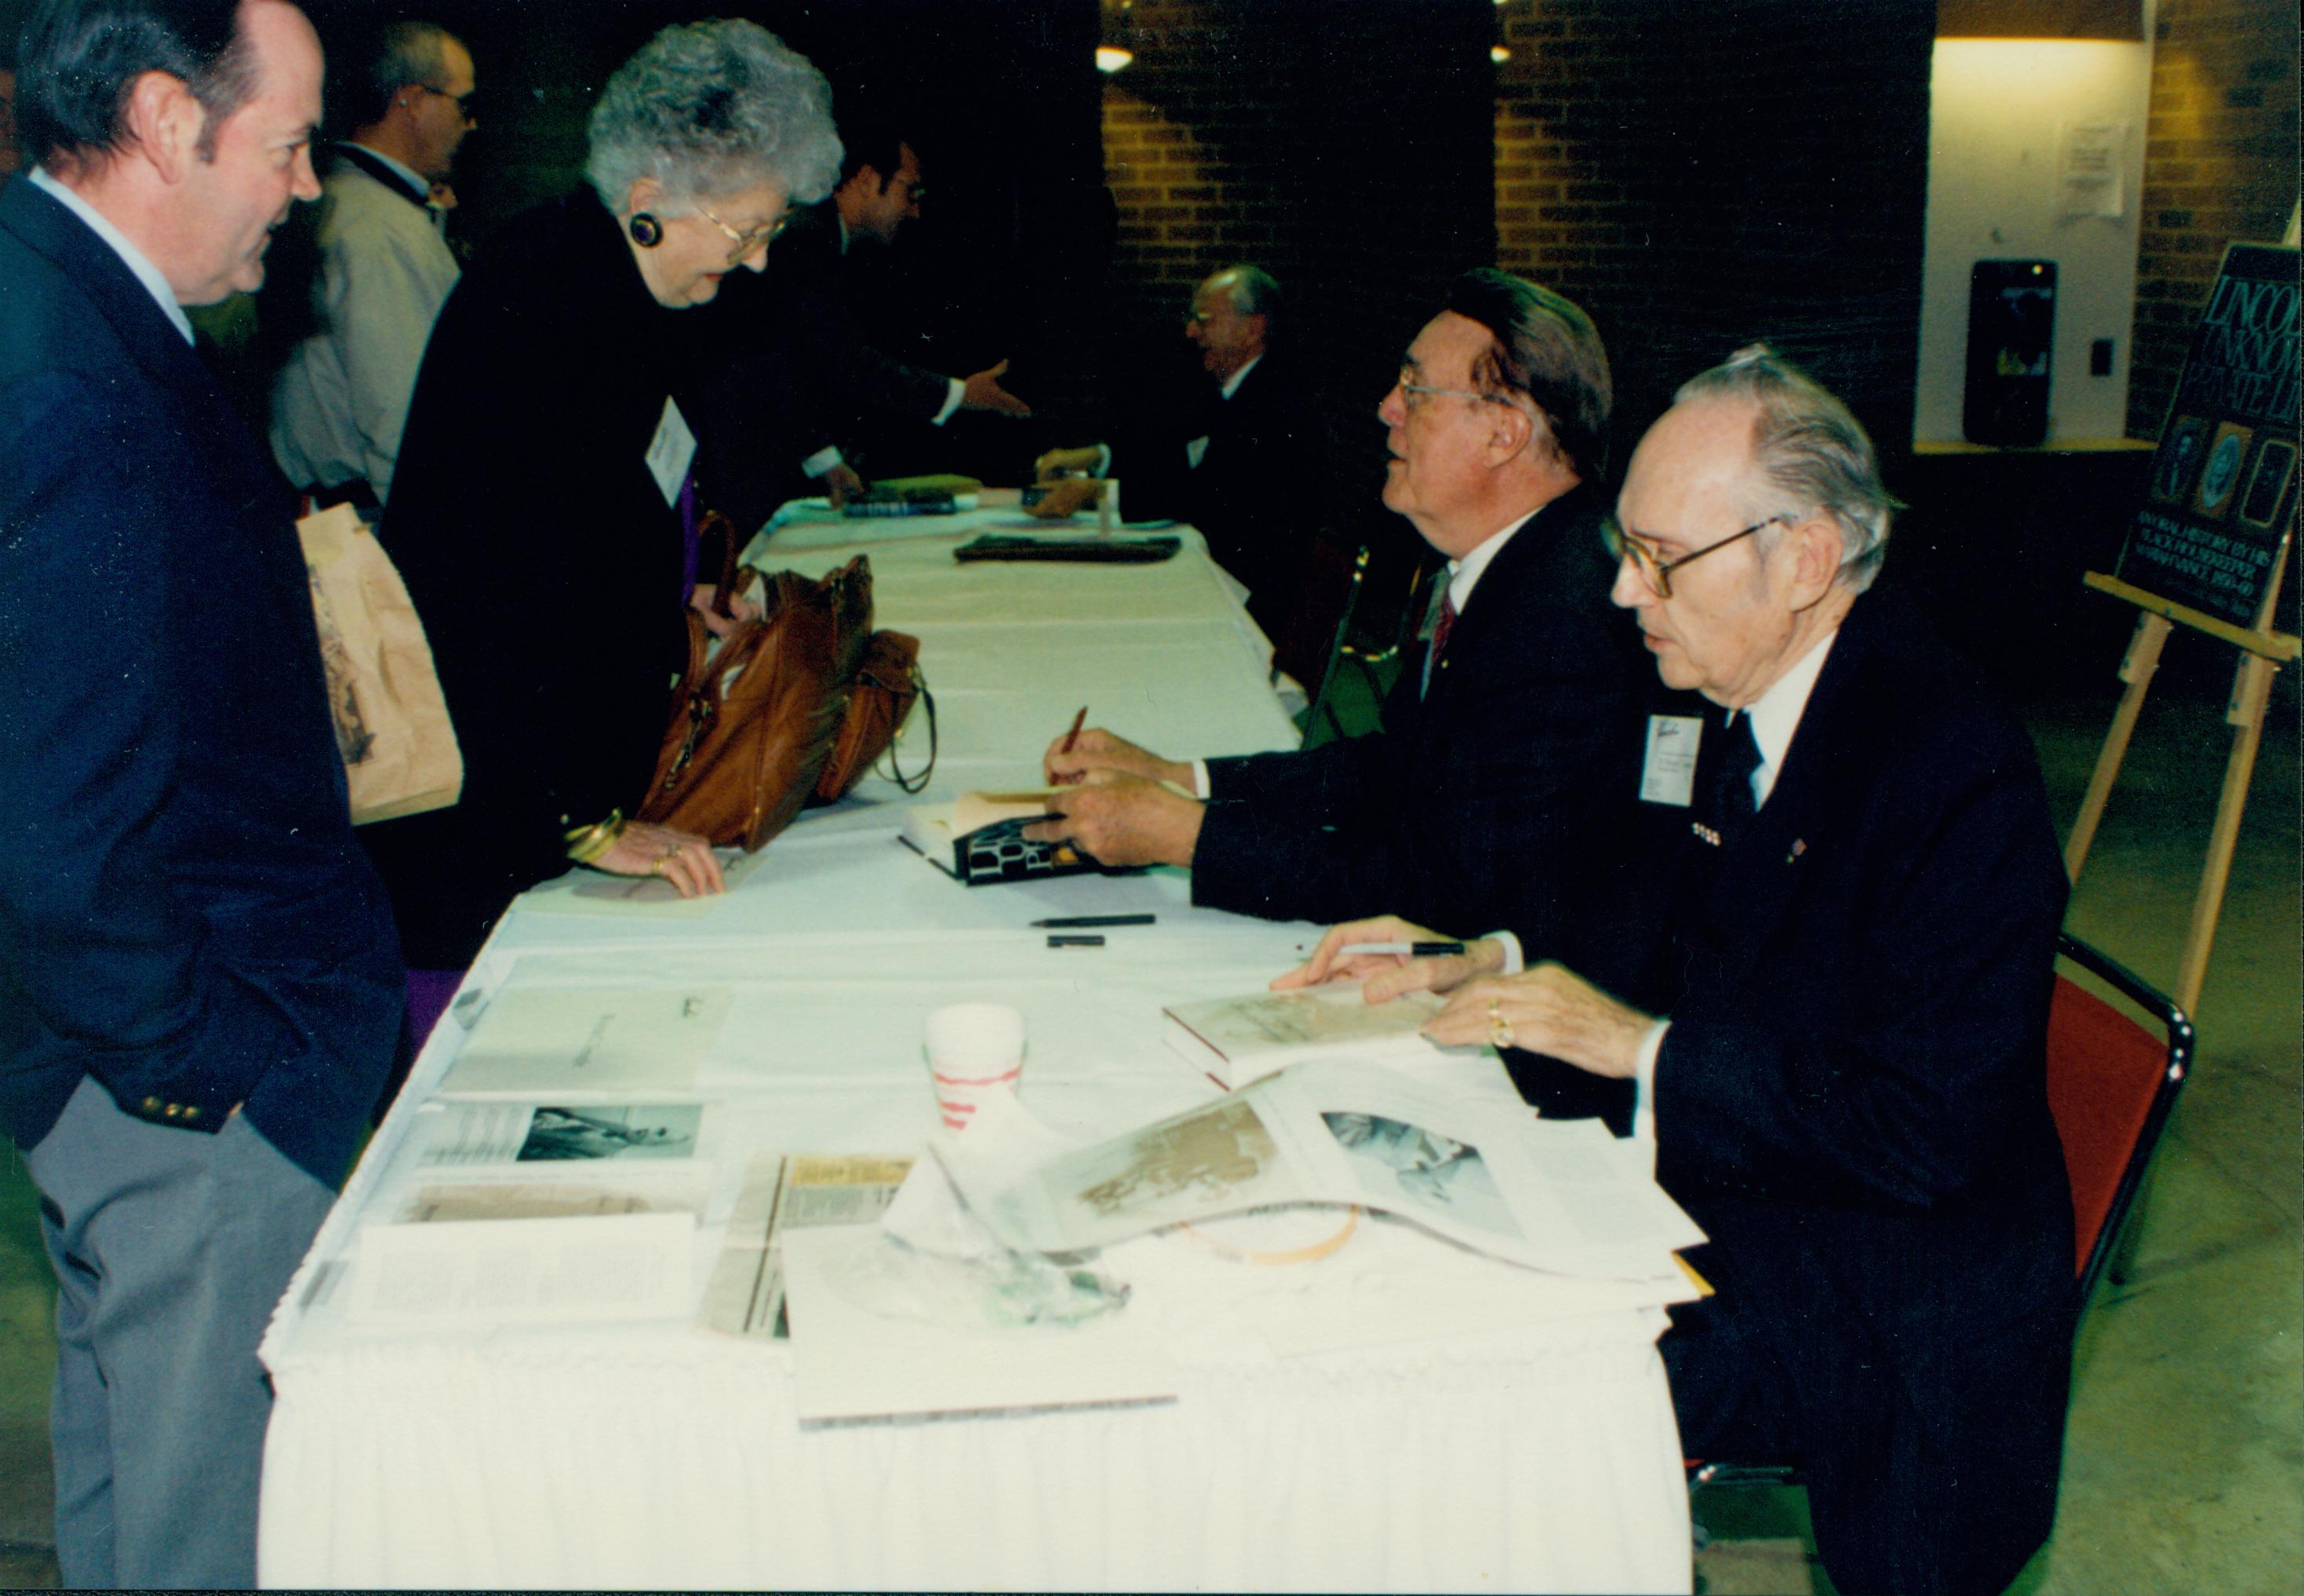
2215	519
2208	545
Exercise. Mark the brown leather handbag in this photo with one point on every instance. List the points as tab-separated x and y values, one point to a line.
750	730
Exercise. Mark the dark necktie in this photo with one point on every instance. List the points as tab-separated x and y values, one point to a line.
1441	627
1729	800
1722	807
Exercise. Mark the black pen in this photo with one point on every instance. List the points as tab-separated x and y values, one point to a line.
1070	922
1405	949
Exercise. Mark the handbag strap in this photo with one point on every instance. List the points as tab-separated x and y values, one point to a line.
916	783
723	595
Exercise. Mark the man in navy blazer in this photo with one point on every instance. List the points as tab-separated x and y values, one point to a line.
1494	778
199	988
1855	893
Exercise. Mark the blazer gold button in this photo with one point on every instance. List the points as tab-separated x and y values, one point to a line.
150	1104
191	1111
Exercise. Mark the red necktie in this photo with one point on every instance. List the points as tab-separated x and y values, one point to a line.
1441	627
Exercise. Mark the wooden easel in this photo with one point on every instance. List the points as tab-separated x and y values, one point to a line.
2263	652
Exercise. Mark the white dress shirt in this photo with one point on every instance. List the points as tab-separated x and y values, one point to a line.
135	260
1776	716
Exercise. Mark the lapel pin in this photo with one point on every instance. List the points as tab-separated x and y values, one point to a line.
1799	847
1705	834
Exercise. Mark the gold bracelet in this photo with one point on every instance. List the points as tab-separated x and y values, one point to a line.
587	843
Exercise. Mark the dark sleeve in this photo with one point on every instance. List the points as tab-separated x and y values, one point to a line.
1533	759
1907	1090
545	564
92	934
812	320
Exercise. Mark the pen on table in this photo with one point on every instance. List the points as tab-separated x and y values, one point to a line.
1077	922
1060	941
1405	949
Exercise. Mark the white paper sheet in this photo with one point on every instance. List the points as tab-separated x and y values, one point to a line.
534	1040
850	1362
524	1271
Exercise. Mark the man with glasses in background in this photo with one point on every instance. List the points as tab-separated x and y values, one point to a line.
384	271
1246	461
1853	894
1498	779
791	373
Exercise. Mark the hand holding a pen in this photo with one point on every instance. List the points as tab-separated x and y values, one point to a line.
1073	755
1342	955
1121	819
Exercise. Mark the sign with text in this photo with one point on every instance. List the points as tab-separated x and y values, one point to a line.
2222	493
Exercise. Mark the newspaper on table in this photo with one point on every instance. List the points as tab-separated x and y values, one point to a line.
746	1294
1553	1196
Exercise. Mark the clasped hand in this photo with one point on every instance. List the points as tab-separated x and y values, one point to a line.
1549	1008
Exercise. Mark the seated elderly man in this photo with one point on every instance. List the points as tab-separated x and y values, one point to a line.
1248	463
1501	754
1855	896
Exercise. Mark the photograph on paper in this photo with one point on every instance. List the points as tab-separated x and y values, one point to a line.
1478	1172
458	1134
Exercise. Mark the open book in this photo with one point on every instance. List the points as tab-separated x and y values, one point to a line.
978	838
1237	1040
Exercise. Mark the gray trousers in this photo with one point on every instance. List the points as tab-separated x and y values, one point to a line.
170	1249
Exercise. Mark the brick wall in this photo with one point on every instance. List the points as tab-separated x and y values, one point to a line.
1701	177
2220	164
1341	144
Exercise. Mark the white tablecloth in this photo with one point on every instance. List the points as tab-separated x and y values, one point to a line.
1506	1456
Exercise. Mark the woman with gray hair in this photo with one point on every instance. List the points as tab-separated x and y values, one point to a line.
544	515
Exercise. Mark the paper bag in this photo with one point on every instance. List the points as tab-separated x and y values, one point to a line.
392	724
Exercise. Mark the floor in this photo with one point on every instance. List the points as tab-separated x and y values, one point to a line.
2184	1465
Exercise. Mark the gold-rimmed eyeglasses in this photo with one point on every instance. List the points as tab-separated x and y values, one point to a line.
741	245
1412	392
1657	573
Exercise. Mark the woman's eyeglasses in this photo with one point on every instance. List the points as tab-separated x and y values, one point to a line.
742	245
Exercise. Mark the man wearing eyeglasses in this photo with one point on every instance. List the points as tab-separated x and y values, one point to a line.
1852	893
792	371
1498	775
1246	461
384	269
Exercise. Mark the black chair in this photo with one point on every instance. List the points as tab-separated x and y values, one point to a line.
2111	1080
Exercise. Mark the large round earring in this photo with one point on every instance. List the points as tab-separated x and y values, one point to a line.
647	232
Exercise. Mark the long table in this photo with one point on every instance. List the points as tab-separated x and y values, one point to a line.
1497	1455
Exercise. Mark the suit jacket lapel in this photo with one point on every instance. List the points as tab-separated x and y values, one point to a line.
1763	872
145	330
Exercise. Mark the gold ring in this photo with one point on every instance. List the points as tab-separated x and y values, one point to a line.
1500	1031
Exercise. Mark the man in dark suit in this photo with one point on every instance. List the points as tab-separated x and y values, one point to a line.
1250	465
787	368
1856	892
199	984
1497	765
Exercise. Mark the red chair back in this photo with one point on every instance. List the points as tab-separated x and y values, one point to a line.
2111	1082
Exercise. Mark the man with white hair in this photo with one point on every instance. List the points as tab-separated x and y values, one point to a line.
1855	897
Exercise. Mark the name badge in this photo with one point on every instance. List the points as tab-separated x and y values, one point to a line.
1668	775
671	453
